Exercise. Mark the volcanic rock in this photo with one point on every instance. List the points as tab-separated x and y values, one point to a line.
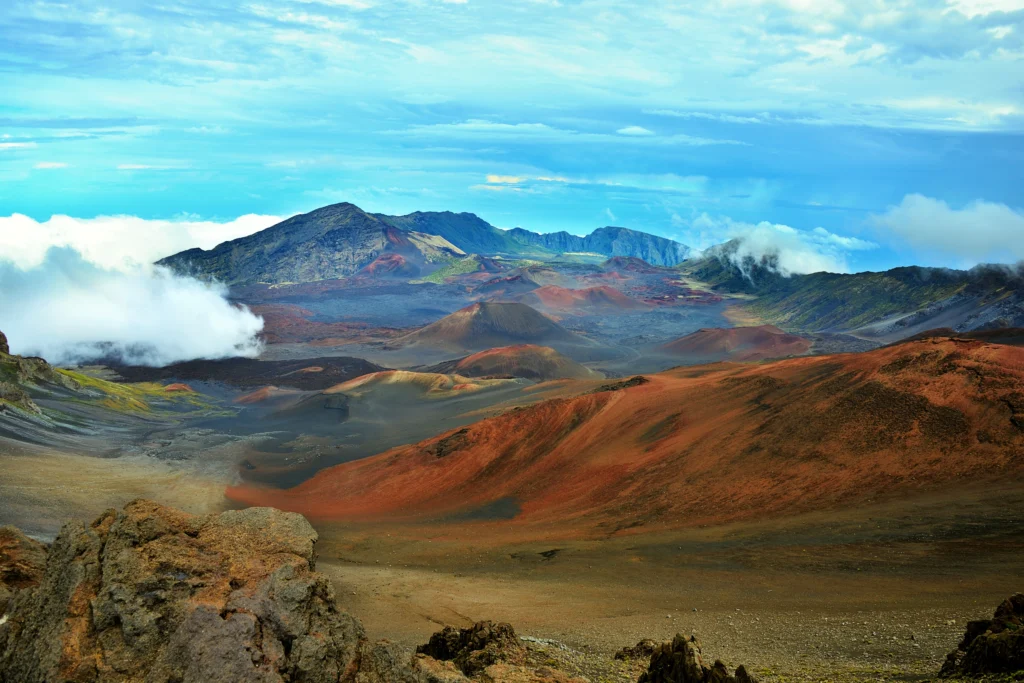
483	652
155	594
681	661
642	650
4	346
475	648
991	646
22	561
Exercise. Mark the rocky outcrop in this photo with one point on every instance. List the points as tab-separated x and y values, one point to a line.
22	561
155	594
642	650
485	652
681	661
4	346
991	646
475	648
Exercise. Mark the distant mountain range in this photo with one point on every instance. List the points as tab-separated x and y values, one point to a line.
886	305
342	240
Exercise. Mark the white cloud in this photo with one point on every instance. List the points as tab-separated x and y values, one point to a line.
118	241
16	145
634	130
980	231
45	165
70	311
504	179
783	248
972	8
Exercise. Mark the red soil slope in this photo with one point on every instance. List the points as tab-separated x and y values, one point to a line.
485	325
706	445
529	361
738	344
602	299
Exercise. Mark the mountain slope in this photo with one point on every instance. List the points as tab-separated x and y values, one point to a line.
467	231
886	305
332	242
737	344
486	325
708	444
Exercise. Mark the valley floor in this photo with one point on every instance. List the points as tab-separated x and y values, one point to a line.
882	593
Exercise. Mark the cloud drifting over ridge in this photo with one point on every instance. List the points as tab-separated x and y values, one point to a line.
71	311
791	251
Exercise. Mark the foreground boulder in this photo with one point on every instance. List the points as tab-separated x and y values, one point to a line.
486	652
22	561
153	594
991	646
681	661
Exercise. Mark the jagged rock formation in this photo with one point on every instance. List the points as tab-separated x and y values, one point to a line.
991	646
22	561
155	594
681	661
4	346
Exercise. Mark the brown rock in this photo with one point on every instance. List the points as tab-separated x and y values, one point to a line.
991	646
159	595
681	661
642	650
22	561
4	346
475	648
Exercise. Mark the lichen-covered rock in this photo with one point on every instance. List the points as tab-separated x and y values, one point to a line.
22	561
991	646
157	595
681	661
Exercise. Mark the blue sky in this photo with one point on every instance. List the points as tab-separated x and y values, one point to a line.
871	133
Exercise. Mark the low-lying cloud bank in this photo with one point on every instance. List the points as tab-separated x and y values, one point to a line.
781	248
979	232
70	310
118	242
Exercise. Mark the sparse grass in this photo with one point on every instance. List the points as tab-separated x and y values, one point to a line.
453	268
139	398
